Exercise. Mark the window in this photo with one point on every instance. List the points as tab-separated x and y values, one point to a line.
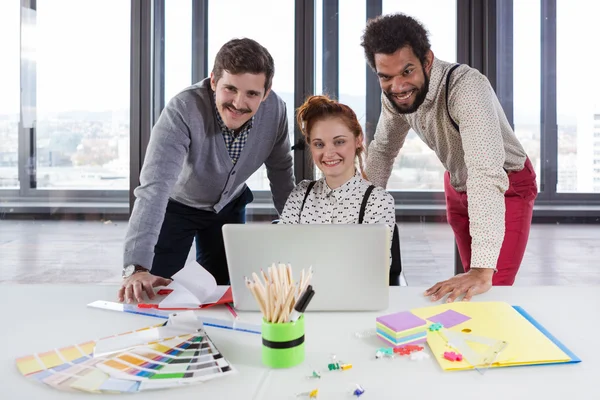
82	120
577	104
9	95
276	34
352	16
178	47
526	78
352	62
417	167
318	46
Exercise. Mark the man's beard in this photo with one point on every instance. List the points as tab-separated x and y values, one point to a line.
420	95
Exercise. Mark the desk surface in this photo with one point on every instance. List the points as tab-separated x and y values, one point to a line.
42	317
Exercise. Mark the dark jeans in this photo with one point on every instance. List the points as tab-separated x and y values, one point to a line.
183	223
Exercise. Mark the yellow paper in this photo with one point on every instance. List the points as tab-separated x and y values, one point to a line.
71	353
28	365
419	329
90	382
51	359
88	347
526	344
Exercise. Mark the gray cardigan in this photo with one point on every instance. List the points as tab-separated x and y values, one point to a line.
187	161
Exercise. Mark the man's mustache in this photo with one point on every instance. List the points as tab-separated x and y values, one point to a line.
232	108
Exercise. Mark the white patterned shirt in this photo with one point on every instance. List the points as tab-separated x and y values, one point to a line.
478	157
339	206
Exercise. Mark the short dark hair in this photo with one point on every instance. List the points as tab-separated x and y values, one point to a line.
388	33
240	56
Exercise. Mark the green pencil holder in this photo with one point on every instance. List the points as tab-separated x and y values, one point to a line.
283	344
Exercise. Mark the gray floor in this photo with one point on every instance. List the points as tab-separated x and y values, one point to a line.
90	251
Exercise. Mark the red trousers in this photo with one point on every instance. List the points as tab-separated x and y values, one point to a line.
519	199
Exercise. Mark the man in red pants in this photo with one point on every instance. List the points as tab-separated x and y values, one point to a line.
490	184
518	200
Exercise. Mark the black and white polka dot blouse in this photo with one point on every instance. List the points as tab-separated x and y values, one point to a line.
339	206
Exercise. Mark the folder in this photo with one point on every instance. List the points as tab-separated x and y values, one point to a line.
529	343
528	317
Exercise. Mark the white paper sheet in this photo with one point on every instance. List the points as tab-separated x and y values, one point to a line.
216	295
179	324
191	286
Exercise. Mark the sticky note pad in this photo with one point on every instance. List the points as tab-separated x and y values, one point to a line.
401	328
401	321
449	318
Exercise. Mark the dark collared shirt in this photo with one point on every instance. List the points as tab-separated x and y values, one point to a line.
235	142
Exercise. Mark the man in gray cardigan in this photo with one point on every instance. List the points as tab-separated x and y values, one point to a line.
208	141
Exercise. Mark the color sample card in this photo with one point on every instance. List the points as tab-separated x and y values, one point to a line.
158	365
195	359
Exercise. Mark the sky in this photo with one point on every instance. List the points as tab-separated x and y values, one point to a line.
83	61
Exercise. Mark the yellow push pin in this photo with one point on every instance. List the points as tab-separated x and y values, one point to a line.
311	395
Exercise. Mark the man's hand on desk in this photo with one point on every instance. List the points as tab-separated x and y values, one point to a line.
138	283
476	281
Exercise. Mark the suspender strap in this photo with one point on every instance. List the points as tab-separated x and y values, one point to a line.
308	189
361	216
363	206
448	88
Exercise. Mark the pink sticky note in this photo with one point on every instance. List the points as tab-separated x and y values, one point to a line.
449	318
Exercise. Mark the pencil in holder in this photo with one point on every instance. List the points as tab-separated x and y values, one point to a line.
283	343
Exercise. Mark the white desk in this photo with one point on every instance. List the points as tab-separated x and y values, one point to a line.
41	317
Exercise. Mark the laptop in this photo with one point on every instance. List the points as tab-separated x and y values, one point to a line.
350	262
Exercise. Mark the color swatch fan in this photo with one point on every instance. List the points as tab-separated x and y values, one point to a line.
181	360
169	362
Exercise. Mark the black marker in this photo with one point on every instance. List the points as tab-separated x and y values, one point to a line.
302	303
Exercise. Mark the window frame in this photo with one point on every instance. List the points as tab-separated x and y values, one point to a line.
484	41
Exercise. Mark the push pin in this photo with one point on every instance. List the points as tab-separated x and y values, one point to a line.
384	352
333	366
403	351
359	391
315	374
419	356
452	356
413	347
365	334
311	395
435	327
345	366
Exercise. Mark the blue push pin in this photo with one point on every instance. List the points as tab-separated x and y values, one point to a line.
358	391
